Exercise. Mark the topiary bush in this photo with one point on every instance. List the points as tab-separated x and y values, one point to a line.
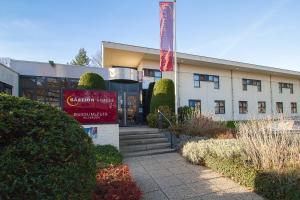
91	81
163	95
44	153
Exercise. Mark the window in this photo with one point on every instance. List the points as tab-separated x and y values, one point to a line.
246	82
279	107
153	73
243	107
261	107
293	107
219	107
45	89
195	104
287	86
5	88
207	78
196	80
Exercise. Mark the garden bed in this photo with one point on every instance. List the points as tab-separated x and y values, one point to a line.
113	180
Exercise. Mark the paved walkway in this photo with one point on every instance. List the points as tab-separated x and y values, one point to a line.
169	176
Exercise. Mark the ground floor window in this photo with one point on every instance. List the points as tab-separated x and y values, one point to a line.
293	107
279	107
5	88
195	104
261	107
243	107
219	107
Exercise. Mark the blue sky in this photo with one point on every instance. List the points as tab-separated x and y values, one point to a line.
254	31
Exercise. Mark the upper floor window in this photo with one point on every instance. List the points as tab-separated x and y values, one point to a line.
293	107
286	85
252	82
207	78
261	107
195	104
196	80
5	88
153	73
243	107
279	107
219	107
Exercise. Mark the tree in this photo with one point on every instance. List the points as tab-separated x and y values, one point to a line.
97	59
163	95
91	81
81	58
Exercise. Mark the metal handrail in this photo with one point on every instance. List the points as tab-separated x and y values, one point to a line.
171	135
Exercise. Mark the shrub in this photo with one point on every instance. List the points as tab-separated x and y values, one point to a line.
115	183
44	153
152	118
107	155
199	125
269	143
91	81
163	95
185	113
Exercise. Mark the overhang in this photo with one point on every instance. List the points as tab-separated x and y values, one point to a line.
117	54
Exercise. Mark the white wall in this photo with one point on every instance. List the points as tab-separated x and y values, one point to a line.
106	134
233	92
10	77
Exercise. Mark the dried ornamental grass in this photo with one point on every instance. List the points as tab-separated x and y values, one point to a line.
269	143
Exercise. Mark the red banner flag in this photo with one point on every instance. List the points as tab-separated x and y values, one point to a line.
166	36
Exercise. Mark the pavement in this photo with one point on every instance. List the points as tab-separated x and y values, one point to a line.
169	176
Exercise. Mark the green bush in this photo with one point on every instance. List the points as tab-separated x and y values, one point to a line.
163	95
226	157
184	113
44	153
152	118
107	155
91	81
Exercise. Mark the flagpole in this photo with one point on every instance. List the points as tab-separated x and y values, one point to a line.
175	63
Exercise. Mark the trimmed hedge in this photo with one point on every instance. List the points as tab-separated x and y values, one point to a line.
91	81
44	153
107	155
163	95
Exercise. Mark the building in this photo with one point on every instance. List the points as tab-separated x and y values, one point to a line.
228	90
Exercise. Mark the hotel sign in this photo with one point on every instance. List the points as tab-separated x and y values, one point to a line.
91	106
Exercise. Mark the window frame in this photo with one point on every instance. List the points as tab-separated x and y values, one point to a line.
218	108
243	107
279	109
194	101
294	107
196	80
261	105
6	88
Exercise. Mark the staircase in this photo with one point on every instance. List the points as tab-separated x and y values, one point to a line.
140	141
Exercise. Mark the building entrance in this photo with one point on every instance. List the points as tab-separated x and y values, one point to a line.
129	113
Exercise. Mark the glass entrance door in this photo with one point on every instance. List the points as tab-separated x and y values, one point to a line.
128	108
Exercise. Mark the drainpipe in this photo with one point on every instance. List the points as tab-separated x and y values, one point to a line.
232	98
271	93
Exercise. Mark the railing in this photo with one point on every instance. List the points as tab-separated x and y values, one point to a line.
160	125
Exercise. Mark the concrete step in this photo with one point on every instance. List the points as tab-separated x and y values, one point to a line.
148	152
133	131
141	136
144	147
143	141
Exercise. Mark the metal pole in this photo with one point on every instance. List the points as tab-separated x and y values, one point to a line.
175	63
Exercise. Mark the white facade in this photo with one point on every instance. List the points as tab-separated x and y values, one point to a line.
11	78
230	75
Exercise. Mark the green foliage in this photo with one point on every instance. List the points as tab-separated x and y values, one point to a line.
91	81
163	95
107	155
152	118
45	154
81	58
185	112
231	124
226	157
